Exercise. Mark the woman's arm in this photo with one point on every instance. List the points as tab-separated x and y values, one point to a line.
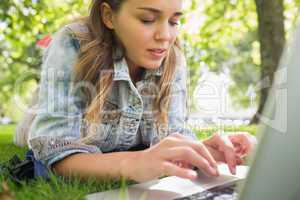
55	131
142	165
98	165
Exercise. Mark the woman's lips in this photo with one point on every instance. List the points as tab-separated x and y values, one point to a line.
157	53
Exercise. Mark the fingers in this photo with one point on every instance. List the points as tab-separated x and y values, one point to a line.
171	169
177	140
218	155
223	144
239	161
206	154
201	149
189	155
227	147
182	164
244	141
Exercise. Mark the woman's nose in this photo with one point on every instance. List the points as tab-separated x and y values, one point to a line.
164	32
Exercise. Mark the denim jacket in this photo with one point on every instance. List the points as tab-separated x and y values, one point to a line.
58	126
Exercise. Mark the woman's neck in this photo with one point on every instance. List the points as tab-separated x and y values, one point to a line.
135	71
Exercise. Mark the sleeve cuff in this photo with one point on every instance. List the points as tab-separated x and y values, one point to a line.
49	149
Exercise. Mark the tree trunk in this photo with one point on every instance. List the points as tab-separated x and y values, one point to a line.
272	39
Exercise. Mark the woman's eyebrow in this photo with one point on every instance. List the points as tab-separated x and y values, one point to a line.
157	11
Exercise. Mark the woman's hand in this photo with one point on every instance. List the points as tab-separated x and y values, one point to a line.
161	159
230	148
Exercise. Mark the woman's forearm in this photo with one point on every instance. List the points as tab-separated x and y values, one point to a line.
97	165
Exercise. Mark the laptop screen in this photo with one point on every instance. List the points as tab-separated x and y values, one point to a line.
275	171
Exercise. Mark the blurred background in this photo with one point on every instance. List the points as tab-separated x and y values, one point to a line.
232	49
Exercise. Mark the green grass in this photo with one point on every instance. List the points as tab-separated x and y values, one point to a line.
7	148
208	131
59	188
56	188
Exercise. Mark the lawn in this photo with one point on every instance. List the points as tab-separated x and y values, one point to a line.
58	188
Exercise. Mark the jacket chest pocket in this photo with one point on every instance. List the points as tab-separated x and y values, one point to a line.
96	133
111	113
129	124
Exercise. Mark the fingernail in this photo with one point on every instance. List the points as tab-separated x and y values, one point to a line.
215	165
233	170
192	174
217	172
214	171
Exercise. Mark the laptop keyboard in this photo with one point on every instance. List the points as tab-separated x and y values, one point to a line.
224	192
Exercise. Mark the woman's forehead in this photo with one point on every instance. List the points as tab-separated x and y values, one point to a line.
159	5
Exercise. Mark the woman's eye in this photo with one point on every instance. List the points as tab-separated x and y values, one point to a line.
150	21
147	21
174	23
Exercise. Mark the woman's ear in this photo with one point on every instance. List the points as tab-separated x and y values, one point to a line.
107	15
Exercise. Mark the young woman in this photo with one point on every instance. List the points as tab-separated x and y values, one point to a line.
112	100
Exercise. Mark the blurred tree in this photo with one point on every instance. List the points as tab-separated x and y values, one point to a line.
272	39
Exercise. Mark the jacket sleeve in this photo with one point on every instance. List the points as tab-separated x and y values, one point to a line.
177	114
55	131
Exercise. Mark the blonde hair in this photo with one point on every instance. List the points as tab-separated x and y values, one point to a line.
97	48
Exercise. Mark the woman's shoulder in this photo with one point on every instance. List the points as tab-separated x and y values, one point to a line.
67	35
64	47
76	28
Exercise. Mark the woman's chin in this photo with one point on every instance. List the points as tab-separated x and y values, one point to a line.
152	64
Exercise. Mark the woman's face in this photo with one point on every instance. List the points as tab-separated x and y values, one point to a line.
147	29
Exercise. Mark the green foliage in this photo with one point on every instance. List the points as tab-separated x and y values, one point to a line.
292	12
225	40
22	24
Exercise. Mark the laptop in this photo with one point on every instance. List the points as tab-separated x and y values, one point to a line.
275	167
